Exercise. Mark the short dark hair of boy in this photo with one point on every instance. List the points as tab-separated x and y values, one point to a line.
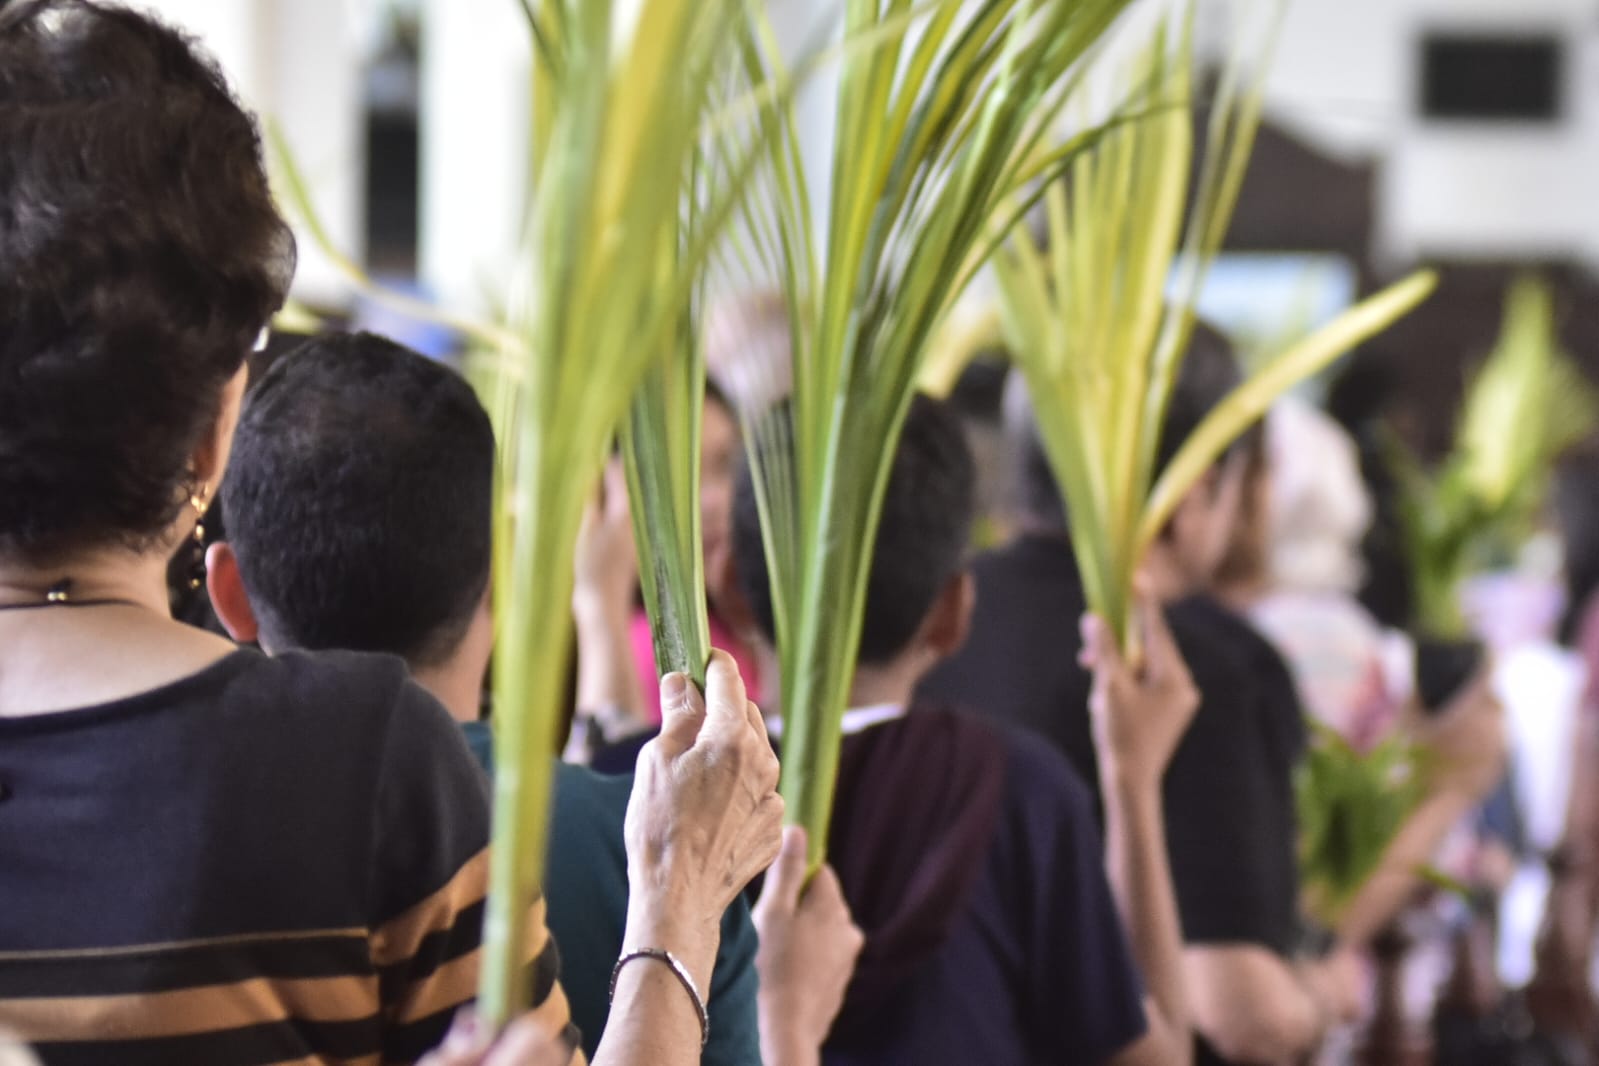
922	538
1209	373
359	500
140	256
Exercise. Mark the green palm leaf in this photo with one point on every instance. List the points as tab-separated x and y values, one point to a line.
606	272
661	447
938	130
1351	806
1099	336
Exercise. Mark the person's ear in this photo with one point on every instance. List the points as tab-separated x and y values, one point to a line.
228	598
949	623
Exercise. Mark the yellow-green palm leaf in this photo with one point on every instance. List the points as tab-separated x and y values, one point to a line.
1098	334
606	272
937	130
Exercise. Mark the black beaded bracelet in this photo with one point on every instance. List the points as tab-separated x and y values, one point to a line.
682	974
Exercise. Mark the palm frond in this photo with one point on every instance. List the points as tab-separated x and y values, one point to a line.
603	285
660	441
1099	334
935	133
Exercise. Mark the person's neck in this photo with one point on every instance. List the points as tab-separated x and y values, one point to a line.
1170	579
888	684
106	574
457	682
1242	596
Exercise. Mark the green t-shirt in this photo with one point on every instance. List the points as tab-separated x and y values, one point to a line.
586	888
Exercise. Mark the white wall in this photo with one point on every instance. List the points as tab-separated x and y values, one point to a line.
475	63
476	58
1497	191
1345	78
299	63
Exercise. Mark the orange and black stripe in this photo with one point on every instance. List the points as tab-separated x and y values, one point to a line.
313	997
276	860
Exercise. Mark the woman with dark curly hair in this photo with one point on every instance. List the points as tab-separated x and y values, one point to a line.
207	855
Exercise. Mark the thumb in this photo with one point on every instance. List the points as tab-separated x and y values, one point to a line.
682	713
786	878
727	711
1160	648
826	890
1105	658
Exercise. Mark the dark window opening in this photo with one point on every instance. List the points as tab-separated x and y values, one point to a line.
1491	78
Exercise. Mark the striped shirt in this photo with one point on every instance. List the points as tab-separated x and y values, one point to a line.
272	861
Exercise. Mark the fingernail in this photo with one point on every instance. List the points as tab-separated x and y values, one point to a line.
674	690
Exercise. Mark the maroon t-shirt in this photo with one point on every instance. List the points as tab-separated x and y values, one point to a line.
1034	966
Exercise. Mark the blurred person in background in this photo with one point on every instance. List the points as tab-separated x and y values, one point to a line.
748	369
1228	795
616	671
1293	569
1568	912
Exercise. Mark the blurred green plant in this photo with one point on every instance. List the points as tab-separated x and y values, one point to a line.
1351	804
1526	405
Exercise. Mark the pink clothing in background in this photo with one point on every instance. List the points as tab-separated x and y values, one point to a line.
1341	661
721	637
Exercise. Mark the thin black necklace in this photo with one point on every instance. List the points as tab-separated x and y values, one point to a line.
60	595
